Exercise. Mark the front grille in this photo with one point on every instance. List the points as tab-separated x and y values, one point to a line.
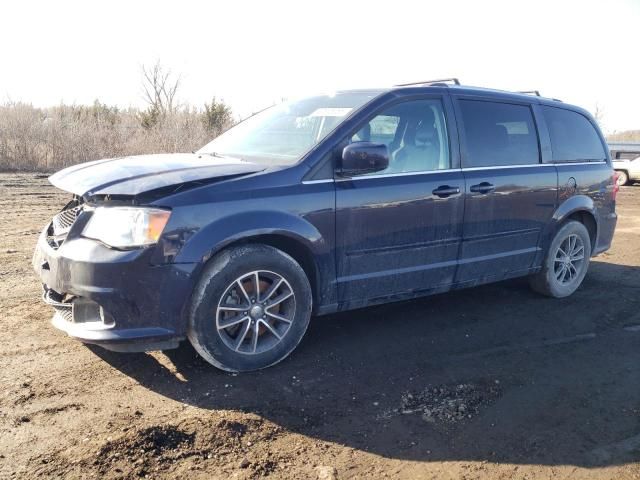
62	223
61	303
65	313
71	309
64	220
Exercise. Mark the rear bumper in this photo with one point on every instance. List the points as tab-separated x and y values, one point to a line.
112	298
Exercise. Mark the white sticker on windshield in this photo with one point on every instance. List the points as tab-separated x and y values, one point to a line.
330	112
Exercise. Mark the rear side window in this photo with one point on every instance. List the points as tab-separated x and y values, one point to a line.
573	137
498	134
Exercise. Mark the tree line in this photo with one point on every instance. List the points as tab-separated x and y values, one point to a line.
46	139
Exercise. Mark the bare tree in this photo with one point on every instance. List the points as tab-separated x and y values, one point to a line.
598	114
159	88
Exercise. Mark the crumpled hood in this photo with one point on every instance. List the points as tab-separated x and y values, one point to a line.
142	173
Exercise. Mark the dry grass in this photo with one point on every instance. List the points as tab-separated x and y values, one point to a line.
46	139
628	136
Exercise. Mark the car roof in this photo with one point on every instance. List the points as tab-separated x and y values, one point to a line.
458	89
477	91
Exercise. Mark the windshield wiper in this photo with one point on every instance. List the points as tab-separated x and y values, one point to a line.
219	155
215	154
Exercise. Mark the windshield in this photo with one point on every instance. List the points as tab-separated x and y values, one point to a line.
283	134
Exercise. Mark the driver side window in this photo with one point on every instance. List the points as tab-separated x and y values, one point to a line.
415	134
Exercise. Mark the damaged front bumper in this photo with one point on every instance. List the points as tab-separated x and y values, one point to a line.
113	298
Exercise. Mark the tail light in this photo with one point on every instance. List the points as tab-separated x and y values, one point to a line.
616	187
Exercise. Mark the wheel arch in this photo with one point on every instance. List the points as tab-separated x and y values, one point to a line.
294	246
579	208
291	234
588	220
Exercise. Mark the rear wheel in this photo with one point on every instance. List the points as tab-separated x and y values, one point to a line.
566	262
623	177
250	309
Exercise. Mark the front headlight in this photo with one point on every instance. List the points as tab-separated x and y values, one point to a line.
126	227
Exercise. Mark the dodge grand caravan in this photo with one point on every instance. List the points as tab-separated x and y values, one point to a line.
325	204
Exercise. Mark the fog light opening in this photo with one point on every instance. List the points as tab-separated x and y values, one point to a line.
106	318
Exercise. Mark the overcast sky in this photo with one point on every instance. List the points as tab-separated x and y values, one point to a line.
254	53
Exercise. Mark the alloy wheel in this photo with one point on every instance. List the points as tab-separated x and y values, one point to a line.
255	312
569	259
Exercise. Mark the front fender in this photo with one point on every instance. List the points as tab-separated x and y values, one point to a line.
228	229
220	233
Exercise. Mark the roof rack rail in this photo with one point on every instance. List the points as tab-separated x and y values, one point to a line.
443	81
537	94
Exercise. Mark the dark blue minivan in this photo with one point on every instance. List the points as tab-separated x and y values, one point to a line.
325	204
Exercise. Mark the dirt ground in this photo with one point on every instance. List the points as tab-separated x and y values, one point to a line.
494	382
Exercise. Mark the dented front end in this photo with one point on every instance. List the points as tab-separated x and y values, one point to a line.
123	298
119	299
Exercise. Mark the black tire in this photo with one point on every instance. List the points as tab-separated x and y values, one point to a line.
623	177
546	281
218	277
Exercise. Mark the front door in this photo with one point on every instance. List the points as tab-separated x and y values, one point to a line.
398	231
510	195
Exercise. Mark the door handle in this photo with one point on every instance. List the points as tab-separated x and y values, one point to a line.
444	191
484	187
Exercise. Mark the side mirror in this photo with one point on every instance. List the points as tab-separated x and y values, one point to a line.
363	157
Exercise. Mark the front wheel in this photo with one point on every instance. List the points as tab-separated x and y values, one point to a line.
566	262
250	308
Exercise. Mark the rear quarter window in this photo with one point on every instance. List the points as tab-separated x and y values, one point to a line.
573	137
